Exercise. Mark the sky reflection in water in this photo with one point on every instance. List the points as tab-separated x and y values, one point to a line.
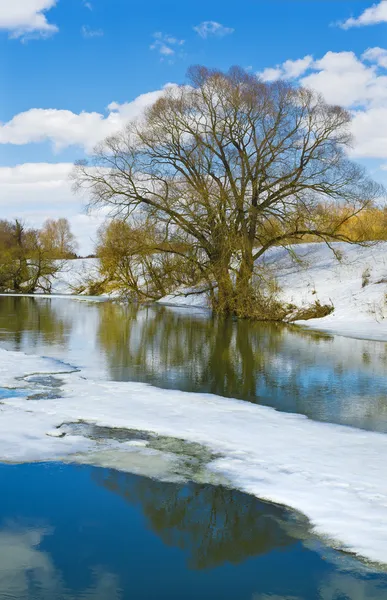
89	533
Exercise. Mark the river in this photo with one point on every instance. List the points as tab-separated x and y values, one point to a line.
81	531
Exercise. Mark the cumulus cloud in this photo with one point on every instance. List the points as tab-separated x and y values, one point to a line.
165	44
290	69
64	128
343	79
369	128
38	191
271	74
27	18
212	28
357	83
377	13
376	55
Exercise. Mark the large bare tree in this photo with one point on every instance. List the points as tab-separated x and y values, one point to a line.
227	167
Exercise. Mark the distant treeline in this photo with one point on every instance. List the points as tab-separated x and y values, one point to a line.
29	258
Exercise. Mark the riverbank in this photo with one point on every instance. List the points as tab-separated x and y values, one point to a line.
355	285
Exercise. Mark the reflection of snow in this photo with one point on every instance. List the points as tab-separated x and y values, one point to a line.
23	563
341	586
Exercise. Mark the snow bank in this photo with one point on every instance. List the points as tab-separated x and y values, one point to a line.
74	273
333	474
356	286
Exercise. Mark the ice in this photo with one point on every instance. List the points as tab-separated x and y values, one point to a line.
335	475
14	365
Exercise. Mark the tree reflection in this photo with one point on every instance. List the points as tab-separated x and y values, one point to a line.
323	377
32	319
212	524
187	350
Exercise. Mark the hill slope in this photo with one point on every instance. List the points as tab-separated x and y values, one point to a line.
356	286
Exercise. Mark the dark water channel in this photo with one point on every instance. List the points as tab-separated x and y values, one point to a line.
83	533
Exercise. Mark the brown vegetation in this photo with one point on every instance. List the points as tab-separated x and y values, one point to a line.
28	257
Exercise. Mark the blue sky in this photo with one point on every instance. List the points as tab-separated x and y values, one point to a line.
72	56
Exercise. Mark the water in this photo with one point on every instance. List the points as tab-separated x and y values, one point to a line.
73	532
327	378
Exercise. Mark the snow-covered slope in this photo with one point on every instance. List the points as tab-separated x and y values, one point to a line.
356	286
74	273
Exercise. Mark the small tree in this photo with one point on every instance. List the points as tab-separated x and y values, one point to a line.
229	167
138	261
57	238
25	264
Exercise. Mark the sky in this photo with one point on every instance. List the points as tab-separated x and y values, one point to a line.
74	71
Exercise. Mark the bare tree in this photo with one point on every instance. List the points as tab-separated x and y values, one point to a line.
57	238
228	167
134	258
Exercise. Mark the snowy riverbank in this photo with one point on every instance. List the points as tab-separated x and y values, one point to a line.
356	286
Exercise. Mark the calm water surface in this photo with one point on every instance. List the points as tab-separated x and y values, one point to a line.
77	532
74	533
327	378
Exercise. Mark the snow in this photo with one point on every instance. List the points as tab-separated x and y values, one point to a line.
359	312
333	474
74	273
14	366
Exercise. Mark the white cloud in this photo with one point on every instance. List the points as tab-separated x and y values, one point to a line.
377	13
26	18
342	78
295	68
369	128
87	32
376	55
41	174
359	84
290	69
38	191
63	128
212	28
271	74
165	44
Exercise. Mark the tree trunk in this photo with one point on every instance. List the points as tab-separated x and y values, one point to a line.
244	293
225	297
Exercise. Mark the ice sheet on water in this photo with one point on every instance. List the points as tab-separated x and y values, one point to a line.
333	474
15	365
